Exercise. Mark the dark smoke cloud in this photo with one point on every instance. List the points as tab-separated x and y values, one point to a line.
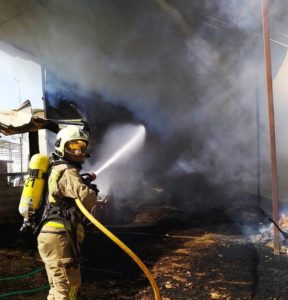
191	71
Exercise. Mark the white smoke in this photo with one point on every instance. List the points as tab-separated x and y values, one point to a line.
244	15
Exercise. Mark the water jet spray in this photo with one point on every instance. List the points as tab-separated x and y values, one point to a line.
132	145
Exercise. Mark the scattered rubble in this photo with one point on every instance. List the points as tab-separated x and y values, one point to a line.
267	235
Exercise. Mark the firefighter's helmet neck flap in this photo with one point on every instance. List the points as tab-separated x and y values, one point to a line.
71	144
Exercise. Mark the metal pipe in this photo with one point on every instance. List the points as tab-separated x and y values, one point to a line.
258	150
274	179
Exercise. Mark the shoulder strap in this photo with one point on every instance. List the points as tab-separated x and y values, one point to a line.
58	162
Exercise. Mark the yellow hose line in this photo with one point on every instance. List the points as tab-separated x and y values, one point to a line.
125	248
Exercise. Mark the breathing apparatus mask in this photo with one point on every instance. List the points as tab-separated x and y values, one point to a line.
72	143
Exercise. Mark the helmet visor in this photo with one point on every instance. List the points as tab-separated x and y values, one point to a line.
76	147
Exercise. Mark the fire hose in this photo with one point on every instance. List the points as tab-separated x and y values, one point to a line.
124	247
25	275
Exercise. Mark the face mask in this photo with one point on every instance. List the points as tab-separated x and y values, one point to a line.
76	147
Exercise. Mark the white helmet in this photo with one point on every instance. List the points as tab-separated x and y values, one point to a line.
72	142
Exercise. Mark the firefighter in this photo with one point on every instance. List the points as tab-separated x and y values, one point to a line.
61	231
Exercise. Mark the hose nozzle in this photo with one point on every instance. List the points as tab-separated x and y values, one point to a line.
92	176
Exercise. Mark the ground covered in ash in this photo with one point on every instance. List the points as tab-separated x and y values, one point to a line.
192	256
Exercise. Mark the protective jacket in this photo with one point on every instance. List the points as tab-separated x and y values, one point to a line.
64	186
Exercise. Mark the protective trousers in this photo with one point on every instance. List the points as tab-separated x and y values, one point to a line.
63	275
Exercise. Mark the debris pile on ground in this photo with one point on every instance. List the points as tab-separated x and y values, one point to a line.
267	234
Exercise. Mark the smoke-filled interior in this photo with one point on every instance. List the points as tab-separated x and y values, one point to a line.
192	72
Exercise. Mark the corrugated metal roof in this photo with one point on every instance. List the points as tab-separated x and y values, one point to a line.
24	119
